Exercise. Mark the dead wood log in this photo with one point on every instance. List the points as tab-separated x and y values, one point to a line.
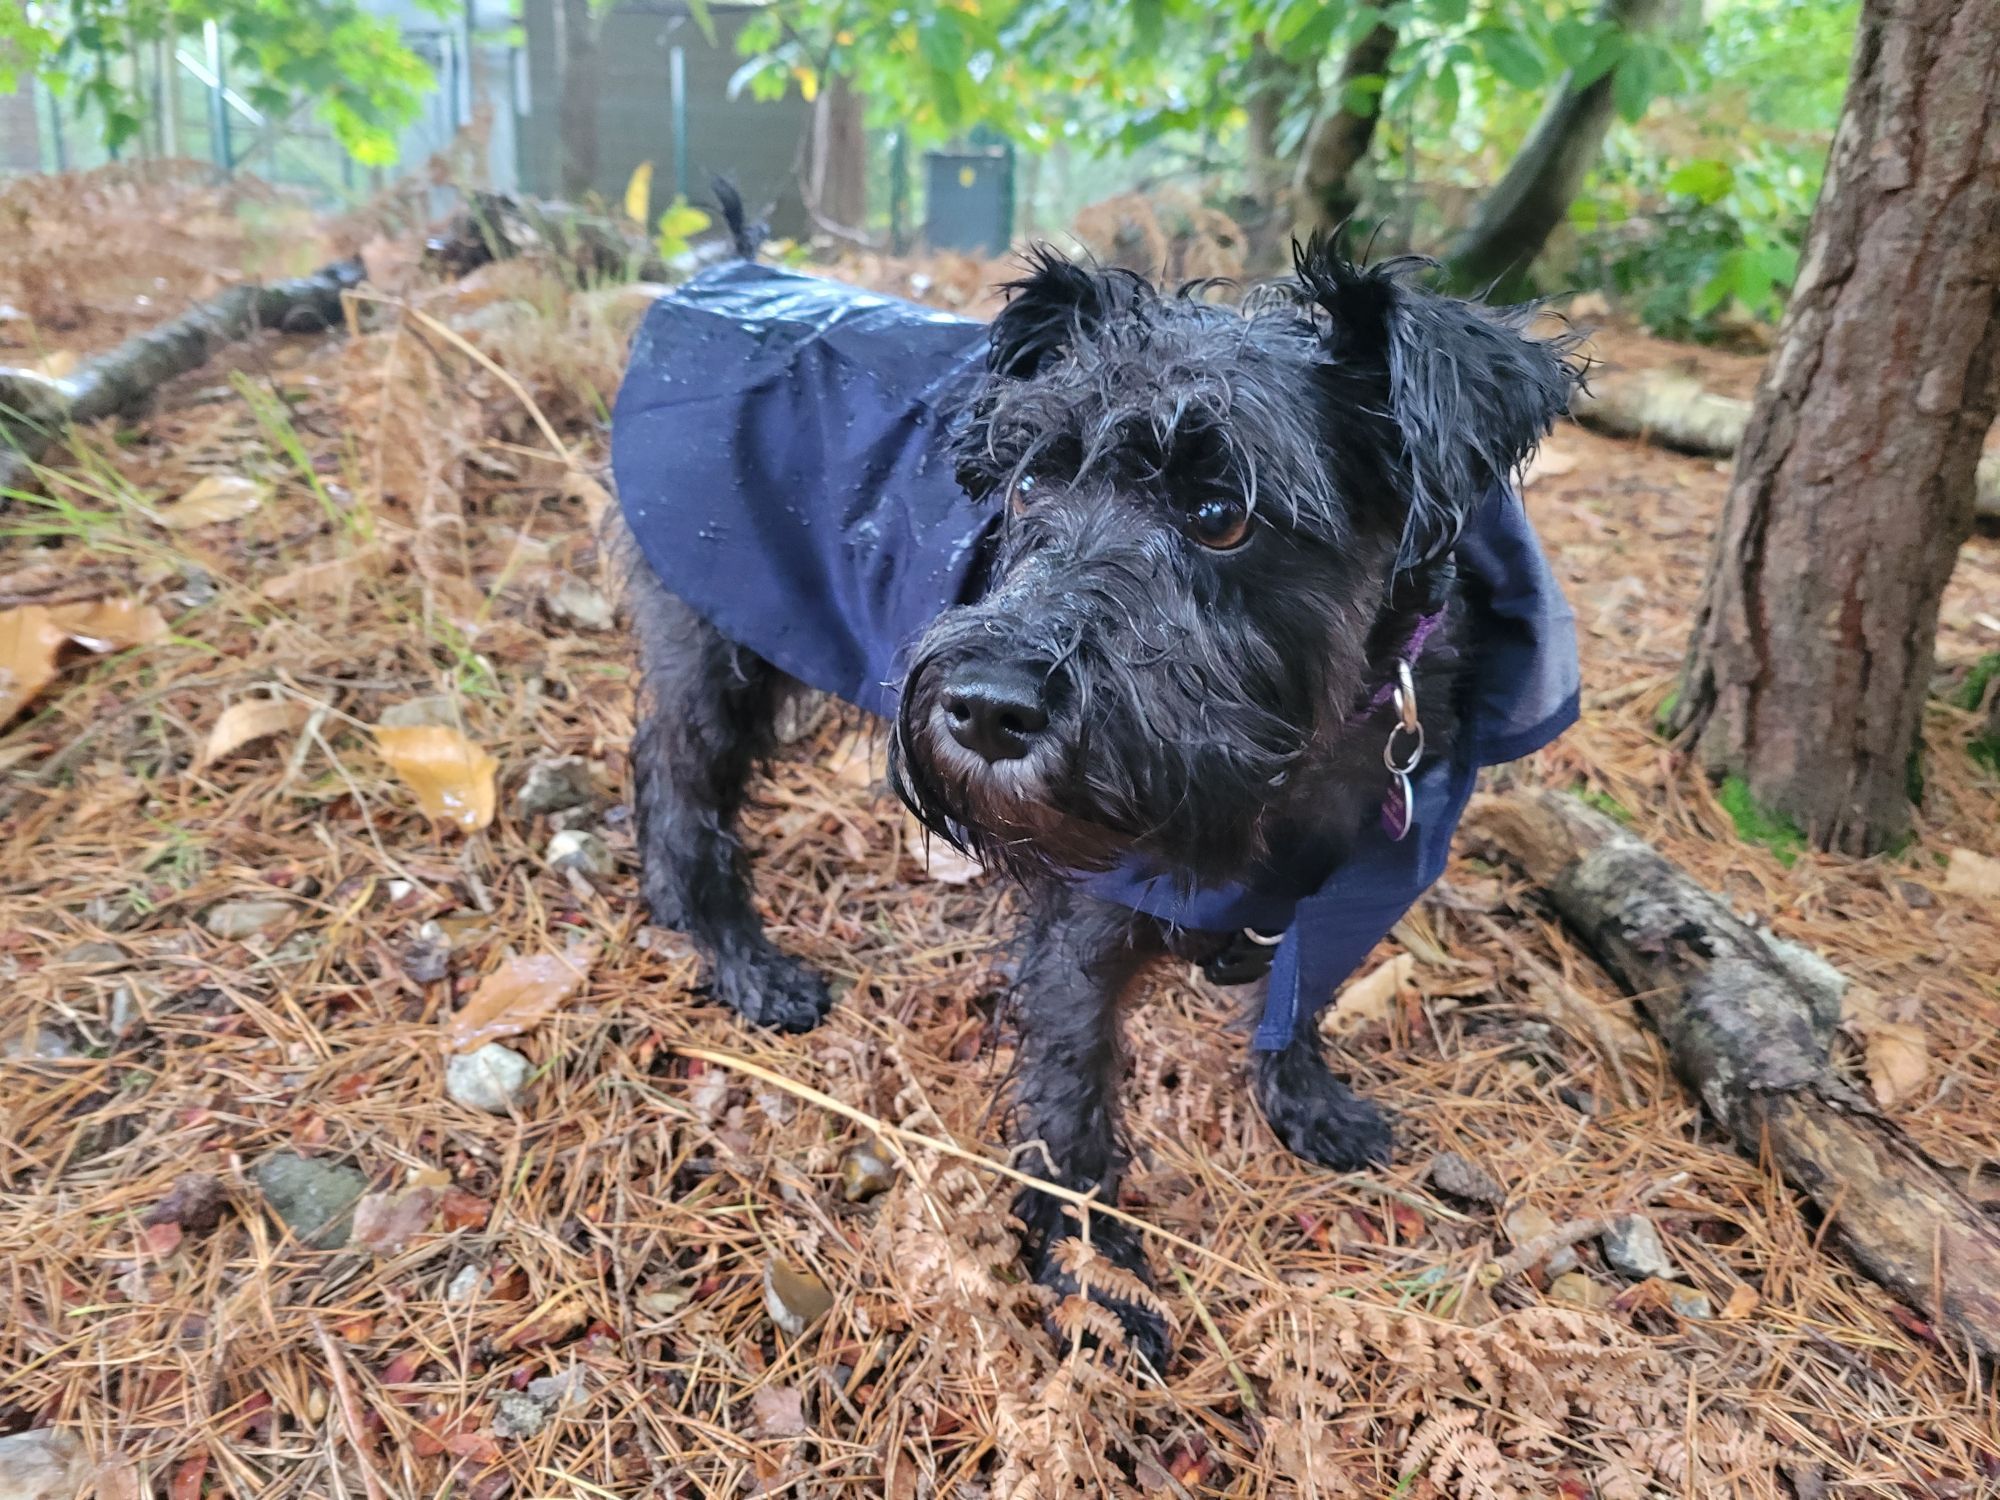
1674	411
34	410
593	246
1748	1020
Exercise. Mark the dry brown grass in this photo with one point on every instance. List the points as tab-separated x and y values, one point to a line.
1337	1335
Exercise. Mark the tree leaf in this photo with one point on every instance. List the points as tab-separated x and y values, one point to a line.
387	1222
1371	997
214	498
517	996
778	1411
639	193
453	778
252	719
34	636
1897	1058
1512	57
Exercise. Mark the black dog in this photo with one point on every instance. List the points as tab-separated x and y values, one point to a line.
1165	638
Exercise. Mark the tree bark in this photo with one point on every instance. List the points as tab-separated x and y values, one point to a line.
1514	221
1339	139
1856	481
577	72
121	381
838	186
1747	1020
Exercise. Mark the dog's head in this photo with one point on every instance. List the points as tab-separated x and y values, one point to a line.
1205	509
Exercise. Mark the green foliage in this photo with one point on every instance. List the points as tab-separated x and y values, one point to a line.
678	225
352	64
1607	804
1971	693
1758	824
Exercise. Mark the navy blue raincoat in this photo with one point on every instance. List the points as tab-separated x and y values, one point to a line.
780	455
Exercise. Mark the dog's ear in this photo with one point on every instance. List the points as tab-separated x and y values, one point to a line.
1051	307
1471	390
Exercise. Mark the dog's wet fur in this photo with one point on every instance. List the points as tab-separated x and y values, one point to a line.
1214	516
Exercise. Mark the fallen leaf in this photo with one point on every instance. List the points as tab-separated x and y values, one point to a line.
34	636
1897	1058
795	1299
517	996
778	1411
453	778
214	498
459	1209
188	1475
1742	1301
246	722
938	859
1370	998
195	1202
1547	460
387	1222
311	580
1970	874
118	1479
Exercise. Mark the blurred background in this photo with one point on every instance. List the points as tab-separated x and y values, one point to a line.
1667	151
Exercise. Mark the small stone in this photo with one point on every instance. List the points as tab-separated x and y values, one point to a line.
518	1415
1916	897
465	1285
489	1079
1689	1303
1459	1177
42	1464
129	1003
417	713
865	1173
795	1299
564	1392
118	913
93	953
1633	1247
426	958
242	919
194	1203
556	785
581	605
581	850
314	1199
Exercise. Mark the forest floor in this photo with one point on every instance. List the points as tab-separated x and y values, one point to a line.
239	955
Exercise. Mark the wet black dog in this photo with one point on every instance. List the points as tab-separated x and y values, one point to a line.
1214	533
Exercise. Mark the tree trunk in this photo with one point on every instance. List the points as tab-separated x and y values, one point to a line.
1747	1020
1266	211
577	74
1514	220
1855	483
839	176
1339	139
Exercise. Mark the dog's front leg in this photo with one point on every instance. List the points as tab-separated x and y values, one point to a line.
705	710
1314	1113
1080	957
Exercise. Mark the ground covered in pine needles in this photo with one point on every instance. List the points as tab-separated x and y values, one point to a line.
327	791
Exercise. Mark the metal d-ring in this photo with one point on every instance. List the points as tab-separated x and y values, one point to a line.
1405	696
1261	940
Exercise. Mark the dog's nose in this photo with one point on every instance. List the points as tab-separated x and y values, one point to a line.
994	711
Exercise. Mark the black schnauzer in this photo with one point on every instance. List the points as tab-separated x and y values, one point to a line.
1209	577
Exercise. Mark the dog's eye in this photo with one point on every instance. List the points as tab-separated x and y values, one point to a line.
1219	524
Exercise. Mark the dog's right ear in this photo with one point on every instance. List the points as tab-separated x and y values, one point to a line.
1050	308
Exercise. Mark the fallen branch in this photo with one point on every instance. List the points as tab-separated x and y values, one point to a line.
595	247
1748	1021
34	410
1675	412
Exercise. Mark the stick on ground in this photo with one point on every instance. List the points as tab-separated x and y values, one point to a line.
1748	1021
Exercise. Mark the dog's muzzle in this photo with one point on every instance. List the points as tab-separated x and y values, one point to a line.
998	711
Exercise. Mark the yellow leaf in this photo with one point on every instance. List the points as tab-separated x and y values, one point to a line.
33	636
452	777
639	193
1897	1057
1371	997
519	995
253	719
808	83
215	497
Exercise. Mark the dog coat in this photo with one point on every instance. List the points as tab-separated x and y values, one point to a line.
781	458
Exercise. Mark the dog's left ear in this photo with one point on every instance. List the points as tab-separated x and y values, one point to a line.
1051	307
1471	389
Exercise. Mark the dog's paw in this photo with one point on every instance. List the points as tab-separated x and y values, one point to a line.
773	989
1317	1116
1111	1272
